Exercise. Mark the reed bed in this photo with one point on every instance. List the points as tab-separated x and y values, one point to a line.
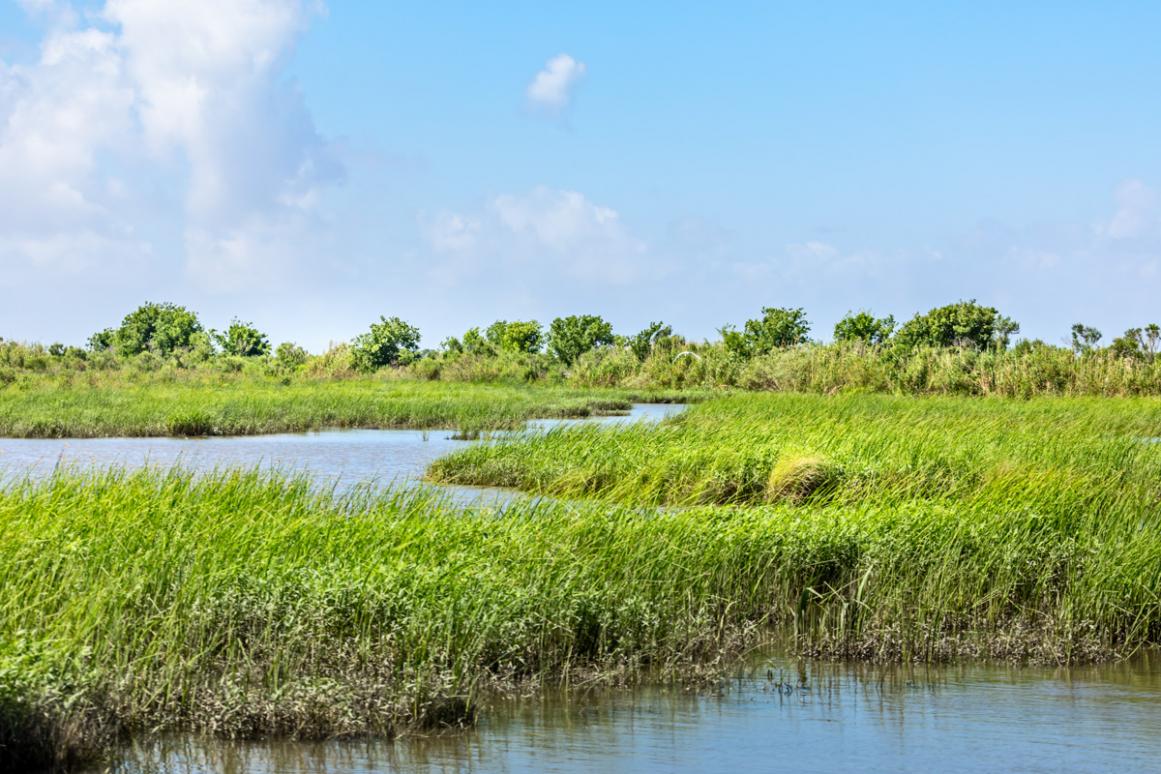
247	406
853	449
246	603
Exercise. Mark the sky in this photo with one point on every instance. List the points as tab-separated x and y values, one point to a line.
309	167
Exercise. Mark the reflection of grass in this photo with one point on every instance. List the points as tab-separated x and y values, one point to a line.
111	407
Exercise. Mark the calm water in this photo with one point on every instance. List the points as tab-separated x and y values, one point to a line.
847	718
334	457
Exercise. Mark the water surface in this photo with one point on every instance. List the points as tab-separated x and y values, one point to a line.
340	458
822	718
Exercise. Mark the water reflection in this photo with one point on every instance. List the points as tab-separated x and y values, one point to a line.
775	715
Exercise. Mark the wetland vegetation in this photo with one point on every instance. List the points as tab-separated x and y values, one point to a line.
849	496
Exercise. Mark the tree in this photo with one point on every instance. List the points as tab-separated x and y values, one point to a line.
289	355
520	337
1152	339
476	343
159	328
642	343
962	324
1131	345
102	341
864	327
390	342
1084	338
570	337
777	328
244	340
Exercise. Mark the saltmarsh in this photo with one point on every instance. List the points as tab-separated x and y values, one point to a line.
1067	454
246	603
954	526
103	405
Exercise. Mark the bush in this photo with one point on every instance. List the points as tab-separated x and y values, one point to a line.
290	356
864	327
963	324
570	337
390	342
777	328
244	340
160	328
516	337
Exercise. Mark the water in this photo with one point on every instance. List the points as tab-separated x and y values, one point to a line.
845	718
339	458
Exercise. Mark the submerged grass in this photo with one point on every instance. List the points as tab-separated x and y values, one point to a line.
249	406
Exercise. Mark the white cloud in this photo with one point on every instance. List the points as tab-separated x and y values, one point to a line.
548	230
1138	212
552	87
452	233
151	113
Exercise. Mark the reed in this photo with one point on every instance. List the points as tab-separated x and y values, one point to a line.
107	405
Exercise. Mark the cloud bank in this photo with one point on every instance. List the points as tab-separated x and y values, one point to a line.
145	124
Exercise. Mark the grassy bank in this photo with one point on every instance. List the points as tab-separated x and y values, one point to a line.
111	406
242	604
849	450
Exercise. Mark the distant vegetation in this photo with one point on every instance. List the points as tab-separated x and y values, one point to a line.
963	348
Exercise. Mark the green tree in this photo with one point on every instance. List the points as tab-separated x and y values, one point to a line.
159	328
390	342
864	327
289	355
1084	338
244	340
778	327
476	343
1131	345
102	341
520	336
962	324
642	343
570	337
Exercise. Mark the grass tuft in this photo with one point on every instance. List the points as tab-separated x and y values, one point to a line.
797	478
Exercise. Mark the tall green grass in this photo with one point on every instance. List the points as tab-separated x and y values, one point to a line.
1021	372
245	604
859	449
950	515
108	406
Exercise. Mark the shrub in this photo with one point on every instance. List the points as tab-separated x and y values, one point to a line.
777	328
516	337
289	355
570	337
864	327
160	328
243	340
962	324
390	342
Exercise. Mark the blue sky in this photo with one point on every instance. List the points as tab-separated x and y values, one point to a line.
310	168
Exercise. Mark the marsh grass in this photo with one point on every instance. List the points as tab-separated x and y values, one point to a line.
111	406
245	604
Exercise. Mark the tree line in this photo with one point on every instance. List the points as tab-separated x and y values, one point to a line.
167	330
